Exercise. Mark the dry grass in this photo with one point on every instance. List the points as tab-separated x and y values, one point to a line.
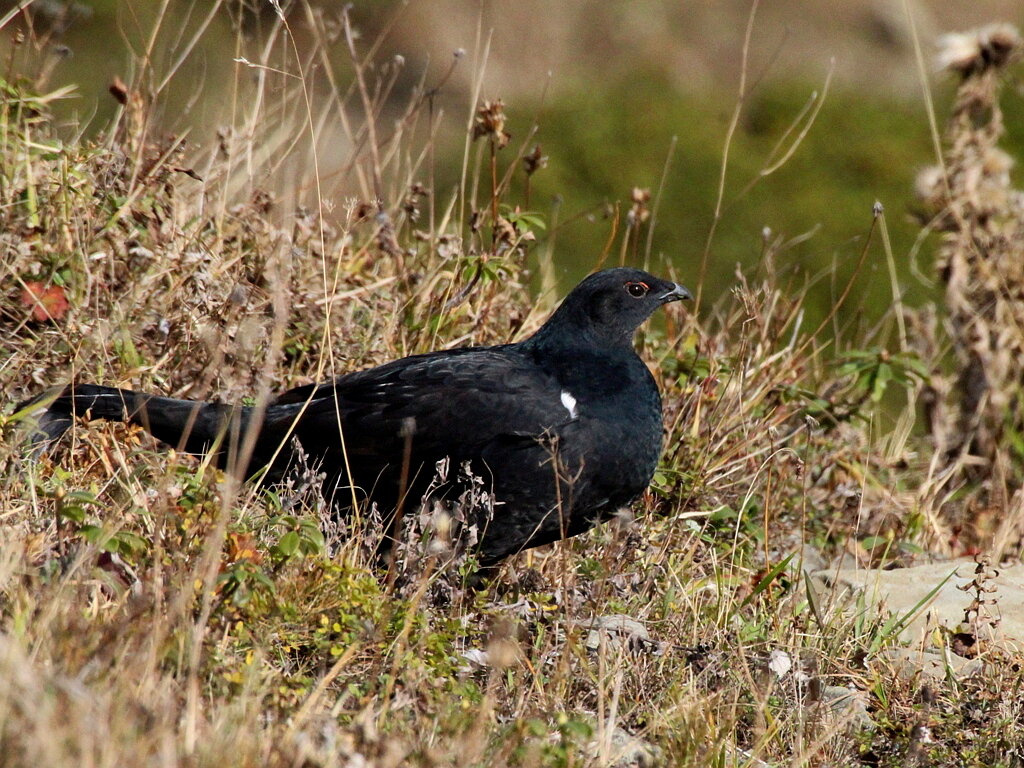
154	613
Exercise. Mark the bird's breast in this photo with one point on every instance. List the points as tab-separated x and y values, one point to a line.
615	436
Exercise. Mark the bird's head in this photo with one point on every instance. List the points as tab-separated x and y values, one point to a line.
607	307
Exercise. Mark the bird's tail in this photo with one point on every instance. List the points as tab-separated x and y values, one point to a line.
188	425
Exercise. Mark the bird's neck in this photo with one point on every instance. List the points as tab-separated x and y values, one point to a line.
559	339
603	368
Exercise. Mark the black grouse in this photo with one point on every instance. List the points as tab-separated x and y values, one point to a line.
564	428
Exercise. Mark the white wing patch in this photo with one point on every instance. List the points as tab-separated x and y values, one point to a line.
570	403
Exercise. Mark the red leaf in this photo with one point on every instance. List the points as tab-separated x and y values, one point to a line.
47	302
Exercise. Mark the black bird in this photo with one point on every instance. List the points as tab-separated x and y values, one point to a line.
564	428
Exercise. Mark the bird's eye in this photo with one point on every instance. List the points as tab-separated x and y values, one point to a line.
637	290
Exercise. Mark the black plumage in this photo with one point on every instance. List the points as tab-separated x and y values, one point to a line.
564	427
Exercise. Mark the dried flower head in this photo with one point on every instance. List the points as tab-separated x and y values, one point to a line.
640	212
929	185
490	122
994	45
410	203
534	161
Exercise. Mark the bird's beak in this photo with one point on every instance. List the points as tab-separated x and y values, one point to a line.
678	293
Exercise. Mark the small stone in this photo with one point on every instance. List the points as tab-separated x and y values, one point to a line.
616	630
780	663
476	659
623	750
846	705
933	595
909	663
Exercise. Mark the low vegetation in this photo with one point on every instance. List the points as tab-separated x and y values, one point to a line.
155	611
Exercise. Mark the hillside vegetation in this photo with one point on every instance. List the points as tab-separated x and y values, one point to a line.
154	611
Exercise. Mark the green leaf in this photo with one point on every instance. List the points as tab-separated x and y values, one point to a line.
883	376
129	543
83	496
812	601
914	365
94	534
289	544
312	538
768	578
73	512
722	513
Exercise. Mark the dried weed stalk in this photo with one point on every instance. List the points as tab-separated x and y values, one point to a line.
980	260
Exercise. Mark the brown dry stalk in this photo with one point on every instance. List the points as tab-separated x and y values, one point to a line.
981	258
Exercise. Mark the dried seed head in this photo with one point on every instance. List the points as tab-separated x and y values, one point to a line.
119	90
639	213
994	45
998	163
534	161
929	185
364	210
490	122
504	231
640	196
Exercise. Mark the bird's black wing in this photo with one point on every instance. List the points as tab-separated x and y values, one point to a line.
455	402
452	403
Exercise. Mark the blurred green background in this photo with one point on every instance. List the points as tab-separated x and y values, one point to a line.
614	86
